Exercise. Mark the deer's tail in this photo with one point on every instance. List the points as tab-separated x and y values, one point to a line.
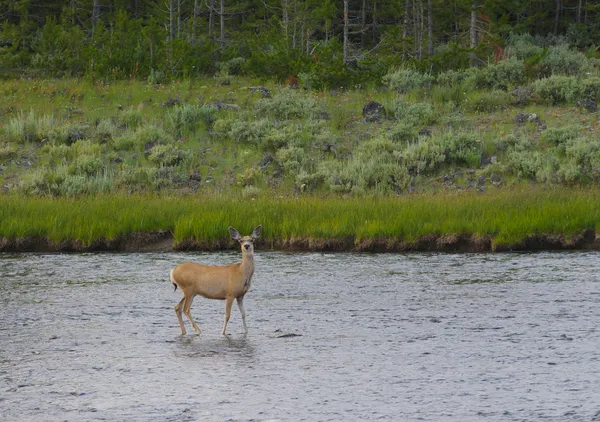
173	281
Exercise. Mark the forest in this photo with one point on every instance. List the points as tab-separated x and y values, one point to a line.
323	44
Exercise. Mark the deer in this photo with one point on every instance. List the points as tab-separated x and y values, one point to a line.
222	282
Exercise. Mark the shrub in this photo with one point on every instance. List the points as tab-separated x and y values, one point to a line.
522	46
359	176
287	104
291	159
150	135
560	135
86	165
533	165
413	114
558	89
250	177
406	80
487	101
429	154
29	127
402	132
251	132
187	117
561	60
131	119
167	155
106	129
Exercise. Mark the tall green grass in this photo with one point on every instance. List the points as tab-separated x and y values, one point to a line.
506	217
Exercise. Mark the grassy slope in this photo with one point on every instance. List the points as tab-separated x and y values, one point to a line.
448	203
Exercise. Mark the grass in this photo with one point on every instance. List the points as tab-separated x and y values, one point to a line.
506	217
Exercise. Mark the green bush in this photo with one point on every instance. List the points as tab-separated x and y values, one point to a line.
86	165
287	104
532	165
558	89
130	119
291	159
418	114
251	132
487	101
406	80
30	127
560	135
561	60
187	117
167	155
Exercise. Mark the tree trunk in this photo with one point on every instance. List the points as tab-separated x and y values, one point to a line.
194	22
579	7
286	20
222	17
95	14
405	31
363	25
345	55
172	20
374	22
211	19
473	36
557	17
430	26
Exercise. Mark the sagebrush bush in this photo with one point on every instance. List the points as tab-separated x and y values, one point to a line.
430	154
130	119
487	101
532	165
406	80
251	132
561	60
106	129
558	89
291	159
167	155
558	136
287	104
187	117
30	127
402	132
250	177
418	114
149	135
522	46
86	165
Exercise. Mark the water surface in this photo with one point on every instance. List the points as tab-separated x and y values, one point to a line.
352	337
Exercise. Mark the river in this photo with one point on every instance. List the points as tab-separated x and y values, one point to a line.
332	337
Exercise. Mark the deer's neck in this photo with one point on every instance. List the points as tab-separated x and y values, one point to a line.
248	264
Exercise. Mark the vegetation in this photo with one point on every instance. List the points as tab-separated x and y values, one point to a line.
505	217
162	104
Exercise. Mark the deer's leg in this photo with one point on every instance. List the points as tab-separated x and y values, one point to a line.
228	303
178	309
188	313
240	302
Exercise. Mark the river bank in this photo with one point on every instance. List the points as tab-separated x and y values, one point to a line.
529	219
163	241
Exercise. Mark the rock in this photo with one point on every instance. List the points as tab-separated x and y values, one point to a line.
526	117
172	102
589	105
373	111
265	161
195	177
264	91
223	106
425	132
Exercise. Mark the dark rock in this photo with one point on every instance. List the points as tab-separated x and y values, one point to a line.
481	181
589	105
172	102
526	117
195	177
373	112
263	91
223	106
148	146
425	132
117	160
289	335
266	160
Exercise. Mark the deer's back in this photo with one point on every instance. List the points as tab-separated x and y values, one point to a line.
210	281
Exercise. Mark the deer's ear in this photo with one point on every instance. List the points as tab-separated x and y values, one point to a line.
257	231
235	235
